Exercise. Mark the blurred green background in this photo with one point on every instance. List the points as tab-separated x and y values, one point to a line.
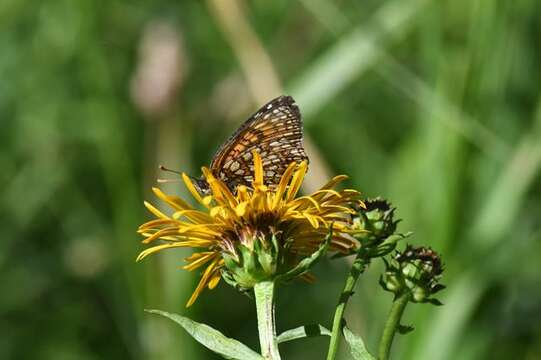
433	104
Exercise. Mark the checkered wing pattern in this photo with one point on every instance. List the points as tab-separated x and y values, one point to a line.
275	131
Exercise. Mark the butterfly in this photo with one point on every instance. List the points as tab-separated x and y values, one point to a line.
275	132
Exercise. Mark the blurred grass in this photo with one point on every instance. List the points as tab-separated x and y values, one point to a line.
434	105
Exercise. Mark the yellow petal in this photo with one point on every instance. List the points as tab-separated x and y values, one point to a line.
322	193
156	223
155	211
214	185
297	181
220	191
202	228
197	235
194	244
242	193
259	199
226	193
280	191
202	283
200	261
334	181
159	234
174	201
312	219
305	202
191	188
197	255
213	282
195	216
240	210
258	169
207	200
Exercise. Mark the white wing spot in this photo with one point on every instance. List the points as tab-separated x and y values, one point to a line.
234	166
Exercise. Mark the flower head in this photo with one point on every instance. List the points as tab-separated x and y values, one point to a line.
416	270
254	233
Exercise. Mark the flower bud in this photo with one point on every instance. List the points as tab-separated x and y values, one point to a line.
416	270
375	222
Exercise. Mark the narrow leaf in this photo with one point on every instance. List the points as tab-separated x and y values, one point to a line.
302	332
356	345
211	338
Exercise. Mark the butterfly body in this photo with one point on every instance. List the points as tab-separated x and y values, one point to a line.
275	132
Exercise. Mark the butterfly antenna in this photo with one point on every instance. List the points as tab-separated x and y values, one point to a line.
165	181
163	168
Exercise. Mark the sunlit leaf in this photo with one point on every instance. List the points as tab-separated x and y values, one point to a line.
212	338
356	345
303	332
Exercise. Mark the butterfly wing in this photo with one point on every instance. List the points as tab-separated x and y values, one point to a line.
275	131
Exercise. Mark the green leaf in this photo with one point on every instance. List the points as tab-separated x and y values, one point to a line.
302	332
356	345
212	339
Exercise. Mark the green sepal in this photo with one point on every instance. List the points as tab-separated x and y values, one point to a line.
388	245
434	302
211	338
356	345
394	238
249	262
303	332
266	257
404	329
229	260
230	280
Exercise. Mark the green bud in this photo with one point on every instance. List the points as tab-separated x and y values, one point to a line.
375	222
416	270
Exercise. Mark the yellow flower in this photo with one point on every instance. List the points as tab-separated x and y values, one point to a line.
252	234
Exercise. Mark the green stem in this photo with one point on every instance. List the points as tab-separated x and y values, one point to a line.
357	269
391	326
264	300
